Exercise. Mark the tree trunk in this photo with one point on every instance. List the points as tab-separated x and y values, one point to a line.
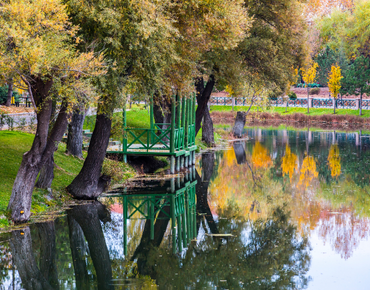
360	103
46	174
88	184
207	129
162	113
88	216
203	96
24	260
33	160
48	266
239	151
75	128
308	99
10	93
142	251
239	124
202	192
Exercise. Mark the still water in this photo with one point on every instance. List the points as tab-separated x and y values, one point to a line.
282	210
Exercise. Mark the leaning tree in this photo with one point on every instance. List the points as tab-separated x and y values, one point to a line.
37	45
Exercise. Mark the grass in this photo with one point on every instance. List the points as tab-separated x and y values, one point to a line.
291	110
13	144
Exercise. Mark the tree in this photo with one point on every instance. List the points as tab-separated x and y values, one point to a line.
356	79
309	76
289	162
334	85
264	57
334	161
137	40
37	45
308	171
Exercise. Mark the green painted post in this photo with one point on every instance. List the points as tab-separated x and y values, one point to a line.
183	115
173	223
173	118
172	138
151	214
178	106
124	134
188	217
151	119
179	232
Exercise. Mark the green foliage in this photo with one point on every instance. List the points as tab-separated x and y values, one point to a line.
119	171
314	91
3	94
292	95
348	30
356	79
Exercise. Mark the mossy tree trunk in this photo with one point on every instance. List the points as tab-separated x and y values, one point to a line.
75	130
203	96
89	183
10	93
42	148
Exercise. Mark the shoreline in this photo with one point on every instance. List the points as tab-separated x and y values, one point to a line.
296	120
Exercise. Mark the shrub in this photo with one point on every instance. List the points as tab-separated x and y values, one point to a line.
117	170
292	95
314	91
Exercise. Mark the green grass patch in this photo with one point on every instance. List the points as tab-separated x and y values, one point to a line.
293	110
14	144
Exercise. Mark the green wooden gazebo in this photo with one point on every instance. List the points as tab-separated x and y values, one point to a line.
175	139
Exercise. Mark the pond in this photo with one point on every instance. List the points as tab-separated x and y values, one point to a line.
280	210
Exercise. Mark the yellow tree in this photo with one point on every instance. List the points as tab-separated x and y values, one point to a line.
309	76
334	84
334	161
289	162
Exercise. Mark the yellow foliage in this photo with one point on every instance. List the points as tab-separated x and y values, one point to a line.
335	77
309	73
308	171
260	156
289	162
230	90
334	161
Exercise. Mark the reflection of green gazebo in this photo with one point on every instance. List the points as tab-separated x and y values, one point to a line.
175	139
175	202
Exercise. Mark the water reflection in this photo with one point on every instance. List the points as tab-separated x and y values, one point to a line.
243	219
327	187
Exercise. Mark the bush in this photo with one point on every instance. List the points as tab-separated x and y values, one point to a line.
4	95
314	91
292	95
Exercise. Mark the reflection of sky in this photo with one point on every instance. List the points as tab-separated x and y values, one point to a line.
113	234
329	271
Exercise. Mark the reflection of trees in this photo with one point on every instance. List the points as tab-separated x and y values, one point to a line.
203	208
271	256
260	156
308	171
87	218
21	246
334	160
288	162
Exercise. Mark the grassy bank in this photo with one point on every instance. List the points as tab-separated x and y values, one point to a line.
14	144
291	110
